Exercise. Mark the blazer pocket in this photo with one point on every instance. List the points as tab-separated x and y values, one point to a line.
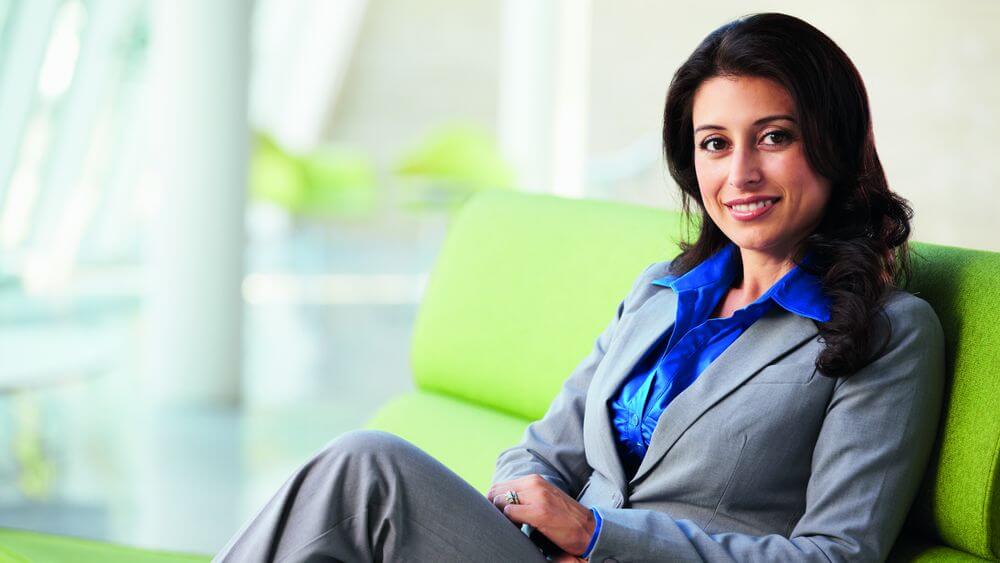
784	373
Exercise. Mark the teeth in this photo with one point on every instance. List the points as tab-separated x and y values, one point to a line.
745	207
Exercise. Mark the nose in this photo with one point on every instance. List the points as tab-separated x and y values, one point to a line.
744	169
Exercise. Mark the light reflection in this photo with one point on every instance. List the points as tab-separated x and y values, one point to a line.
49	269
332	289
23	192
64	48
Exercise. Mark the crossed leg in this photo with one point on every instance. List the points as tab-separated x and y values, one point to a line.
373	496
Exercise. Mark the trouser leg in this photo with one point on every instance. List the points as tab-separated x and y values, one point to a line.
372	496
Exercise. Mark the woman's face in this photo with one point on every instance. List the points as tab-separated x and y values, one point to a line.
755	181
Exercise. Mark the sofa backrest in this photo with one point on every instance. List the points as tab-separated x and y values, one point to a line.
525	283
520	290
960	500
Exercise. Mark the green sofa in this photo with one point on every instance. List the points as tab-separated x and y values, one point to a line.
522	287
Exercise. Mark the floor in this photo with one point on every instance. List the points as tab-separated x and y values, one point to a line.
87	458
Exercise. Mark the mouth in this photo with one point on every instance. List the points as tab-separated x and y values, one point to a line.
751	208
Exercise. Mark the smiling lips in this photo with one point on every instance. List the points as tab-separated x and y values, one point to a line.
750	208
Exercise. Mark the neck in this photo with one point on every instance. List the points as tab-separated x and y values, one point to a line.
761	270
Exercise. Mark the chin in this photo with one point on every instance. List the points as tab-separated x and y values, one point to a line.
757	243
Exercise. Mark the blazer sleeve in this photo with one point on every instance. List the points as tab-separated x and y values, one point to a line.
867	464
553	446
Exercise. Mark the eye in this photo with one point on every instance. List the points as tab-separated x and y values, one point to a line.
708	144
778	137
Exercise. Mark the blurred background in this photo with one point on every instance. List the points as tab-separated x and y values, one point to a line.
217	218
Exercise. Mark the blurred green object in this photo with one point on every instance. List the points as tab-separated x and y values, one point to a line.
451	163
329	181
34	479
23	546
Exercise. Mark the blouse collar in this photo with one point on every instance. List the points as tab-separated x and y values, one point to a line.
797	291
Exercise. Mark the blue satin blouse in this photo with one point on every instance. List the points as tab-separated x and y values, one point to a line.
668	368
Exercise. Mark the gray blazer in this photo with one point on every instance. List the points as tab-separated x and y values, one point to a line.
761	458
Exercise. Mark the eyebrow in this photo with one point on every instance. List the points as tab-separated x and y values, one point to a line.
758	122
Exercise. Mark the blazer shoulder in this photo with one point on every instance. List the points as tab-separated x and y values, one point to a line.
643	287
909	318
904	308
655	271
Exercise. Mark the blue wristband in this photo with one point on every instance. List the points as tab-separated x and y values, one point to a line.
597	532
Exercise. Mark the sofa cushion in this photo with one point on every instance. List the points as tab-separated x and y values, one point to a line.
919	550
463	436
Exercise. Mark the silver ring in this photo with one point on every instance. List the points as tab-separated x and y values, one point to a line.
511	497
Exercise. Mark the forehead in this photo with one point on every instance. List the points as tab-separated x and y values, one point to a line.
736	101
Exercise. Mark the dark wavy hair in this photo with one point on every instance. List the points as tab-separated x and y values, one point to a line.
860	248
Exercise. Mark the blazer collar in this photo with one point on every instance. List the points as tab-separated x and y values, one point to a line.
769	338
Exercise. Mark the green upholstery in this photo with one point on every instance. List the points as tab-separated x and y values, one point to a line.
960	498
17	546
443	425
525	283
522	288
916	549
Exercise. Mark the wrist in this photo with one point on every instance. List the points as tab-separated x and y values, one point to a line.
593	525
589	527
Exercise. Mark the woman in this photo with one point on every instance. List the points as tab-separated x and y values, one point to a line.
768	395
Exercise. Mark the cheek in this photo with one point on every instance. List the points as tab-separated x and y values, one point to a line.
708	183
813	190
820	195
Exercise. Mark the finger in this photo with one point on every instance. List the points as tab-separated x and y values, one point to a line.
500	500
494	491
518	513
525	482
504	486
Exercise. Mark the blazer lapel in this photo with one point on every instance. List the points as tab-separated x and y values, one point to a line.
769	338
654	318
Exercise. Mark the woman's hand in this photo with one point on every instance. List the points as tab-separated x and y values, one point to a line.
566	523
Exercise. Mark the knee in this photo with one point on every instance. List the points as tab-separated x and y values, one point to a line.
366	443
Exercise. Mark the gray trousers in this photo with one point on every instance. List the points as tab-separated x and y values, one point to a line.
372	496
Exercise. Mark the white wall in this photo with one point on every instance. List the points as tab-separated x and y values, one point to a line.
417	64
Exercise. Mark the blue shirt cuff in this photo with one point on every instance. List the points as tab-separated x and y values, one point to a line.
597	532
